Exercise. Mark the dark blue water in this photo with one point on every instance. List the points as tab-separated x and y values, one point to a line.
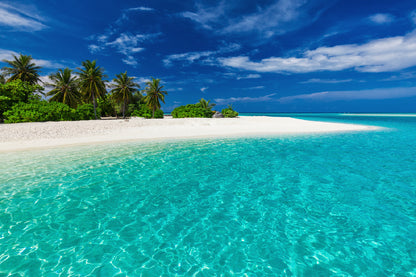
307	205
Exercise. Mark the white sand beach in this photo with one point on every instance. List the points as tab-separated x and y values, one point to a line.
23	136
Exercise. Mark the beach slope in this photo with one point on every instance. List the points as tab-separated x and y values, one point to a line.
24	136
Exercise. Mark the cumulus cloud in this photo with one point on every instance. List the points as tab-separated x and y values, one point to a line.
369	94
19	19
380	55
225	101
204	89
277	17
381	18
205	57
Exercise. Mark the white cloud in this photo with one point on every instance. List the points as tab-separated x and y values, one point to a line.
205	57
256	87
176	89
48	63
277	17
326	81
128	43
380	55
189	57
381	18
207	16
45	80
125	43
8	55
19	19
401	76
249	76
130	60
369	94
225	101
95	48
142	80
204	89
143	9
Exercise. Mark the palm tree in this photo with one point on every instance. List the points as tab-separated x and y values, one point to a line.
65	88
22	68
154	94
91	82
206	104
2	79
123	89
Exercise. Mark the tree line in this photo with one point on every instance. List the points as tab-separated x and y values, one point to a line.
83	94
86	85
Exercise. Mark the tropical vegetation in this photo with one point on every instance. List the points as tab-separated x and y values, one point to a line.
92	83
206	104
14	92
83	95
65	88
229	112
123	89
154	94
201	109
22	68
146	112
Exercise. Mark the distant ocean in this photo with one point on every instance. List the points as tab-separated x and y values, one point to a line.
341	204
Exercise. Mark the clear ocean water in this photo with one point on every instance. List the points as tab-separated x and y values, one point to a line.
339	204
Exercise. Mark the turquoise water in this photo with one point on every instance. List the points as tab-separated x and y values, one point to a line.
307	205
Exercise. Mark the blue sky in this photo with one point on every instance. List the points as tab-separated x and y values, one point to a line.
259	56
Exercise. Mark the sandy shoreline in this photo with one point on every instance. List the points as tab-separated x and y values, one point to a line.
23	136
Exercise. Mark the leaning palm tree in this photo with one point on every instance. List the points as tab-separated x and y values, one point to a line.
154	94
123	89
206	104
65	88
22	67
91	82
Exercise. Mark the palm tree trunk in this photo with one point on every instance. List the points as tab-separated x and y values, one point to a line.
94	104
153	115
124	109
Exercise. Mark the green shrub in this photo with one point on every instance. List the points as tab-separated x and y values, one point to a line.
38	111
146	112
229	112
105	107
14	92
191	110
85	112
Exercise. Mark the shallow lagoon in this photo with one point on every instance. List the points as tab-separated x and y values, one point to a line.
315	205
